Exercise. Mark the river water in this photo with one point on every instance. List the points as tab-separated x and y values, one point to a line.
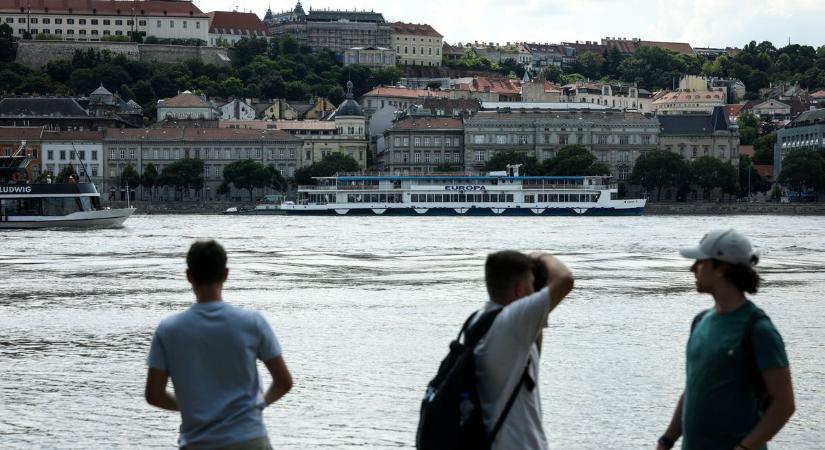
365	308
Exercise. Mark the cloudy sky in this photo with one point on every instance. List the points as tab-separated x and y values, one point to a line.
702	23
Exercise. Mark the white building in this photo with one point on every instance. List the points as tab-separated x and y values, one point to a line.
187	105
94	20
81	149
228	27
689	101
615	96
237	110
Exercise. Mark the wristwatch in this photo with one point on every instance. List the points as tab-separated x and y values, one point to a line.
666	442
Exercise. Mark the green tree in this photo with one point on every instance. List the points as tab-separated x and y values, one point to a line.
709	173
276	179
35	83
749	178
802	170
65	173
574	160
7	49
330	165
763	149
150	179
182	175
653	68
500	161
129	176
9	80
247	174
748	125
658	169
589	64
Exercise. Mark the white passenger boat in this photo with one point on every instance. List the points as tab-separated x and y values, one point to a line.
30	205
502	193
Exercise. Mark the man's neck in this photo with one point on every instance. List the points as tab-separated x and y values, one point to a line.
728	298
208	295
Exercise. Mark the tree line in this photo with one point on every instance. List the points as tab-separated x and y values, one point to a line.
265	68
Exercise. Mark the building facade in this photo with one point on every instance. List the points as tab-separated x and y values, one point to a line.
397	97
101	109
216	147
696	135
616	138
615	95
417	145
237	110
226	28
94	20
372	57
689	101
81	149
806	132
417	44
187	105
335	30
16	141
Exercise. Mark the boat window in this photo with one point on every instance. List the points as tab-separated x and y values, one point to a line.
60	206
22	207
86	203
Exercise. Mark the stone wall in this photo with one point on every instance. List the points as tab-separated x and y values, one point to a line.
36	54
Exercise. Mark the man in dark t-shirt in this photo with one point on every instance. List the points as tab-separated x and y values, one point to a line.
738	391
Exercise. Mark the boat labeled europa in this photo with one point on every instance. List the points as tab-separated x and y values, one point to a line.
502	193
50	205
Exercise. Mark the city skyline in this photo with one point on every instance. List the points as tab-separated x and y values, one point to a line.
708	24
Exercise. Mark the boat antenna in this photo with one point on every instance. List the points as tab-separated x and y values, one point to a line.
82	163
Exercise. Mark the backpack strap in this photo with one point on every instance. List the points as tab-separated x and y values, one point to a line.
747	346
473	333
524	380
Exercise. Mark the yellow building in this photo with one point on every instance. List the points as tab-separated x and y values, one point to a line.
417	44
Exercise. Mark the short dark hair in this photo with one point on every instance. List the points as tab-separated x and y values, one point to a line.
743	276
206	261
503	269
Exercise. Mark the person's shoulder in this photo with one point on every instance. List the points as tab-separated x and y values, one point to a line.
244	314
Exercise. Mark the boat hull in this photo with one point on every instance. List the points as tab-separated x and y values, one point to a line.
473	212
104	218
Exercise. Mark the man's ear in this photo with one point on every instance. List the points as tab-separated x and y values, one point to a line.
225	273
188	276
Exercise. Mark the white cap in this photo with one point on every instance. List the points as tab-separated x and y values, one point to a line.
729	246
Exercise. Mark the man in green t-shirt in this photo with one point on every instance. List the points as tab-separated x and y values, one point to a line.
738	392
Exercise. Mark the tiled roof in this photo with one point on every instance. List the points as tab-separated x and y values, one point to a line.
185	101
17	134
304	125
484	84
691	96
819	95
809	117
427	123
197	134
448	105
74	136
142	8
398	92
694	124
416	29
233	22
678	47
734	110
764	170
602	116
41	107
447	49
746	150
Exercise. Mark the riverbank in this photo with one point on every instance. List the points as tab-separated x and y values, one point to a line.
652	209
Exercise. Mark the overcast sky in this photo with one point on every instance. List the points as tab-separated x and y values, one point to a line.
715	23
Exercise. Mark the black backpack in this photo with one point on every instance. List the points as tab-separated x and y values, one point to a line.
451	416
754	375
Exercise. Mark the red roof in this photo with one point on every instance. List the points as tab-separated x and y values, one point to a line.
484	84
17	134
764	170
74	136
428	123
417	29
678	47
396	92
733	110
197	134
233	22
746	150
818	94
104	7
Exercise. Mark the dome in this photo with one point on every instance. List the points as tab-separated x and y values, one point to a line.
349	107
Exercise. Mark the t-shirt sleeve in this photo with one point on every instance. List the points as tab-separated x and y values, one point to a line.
268	346
768	347
157	353
525	318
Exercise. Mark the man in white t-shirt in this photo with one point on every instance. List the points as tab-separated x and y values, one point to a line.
507	358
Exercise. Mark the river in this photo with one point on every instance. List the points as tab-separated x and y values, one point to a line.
365	307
